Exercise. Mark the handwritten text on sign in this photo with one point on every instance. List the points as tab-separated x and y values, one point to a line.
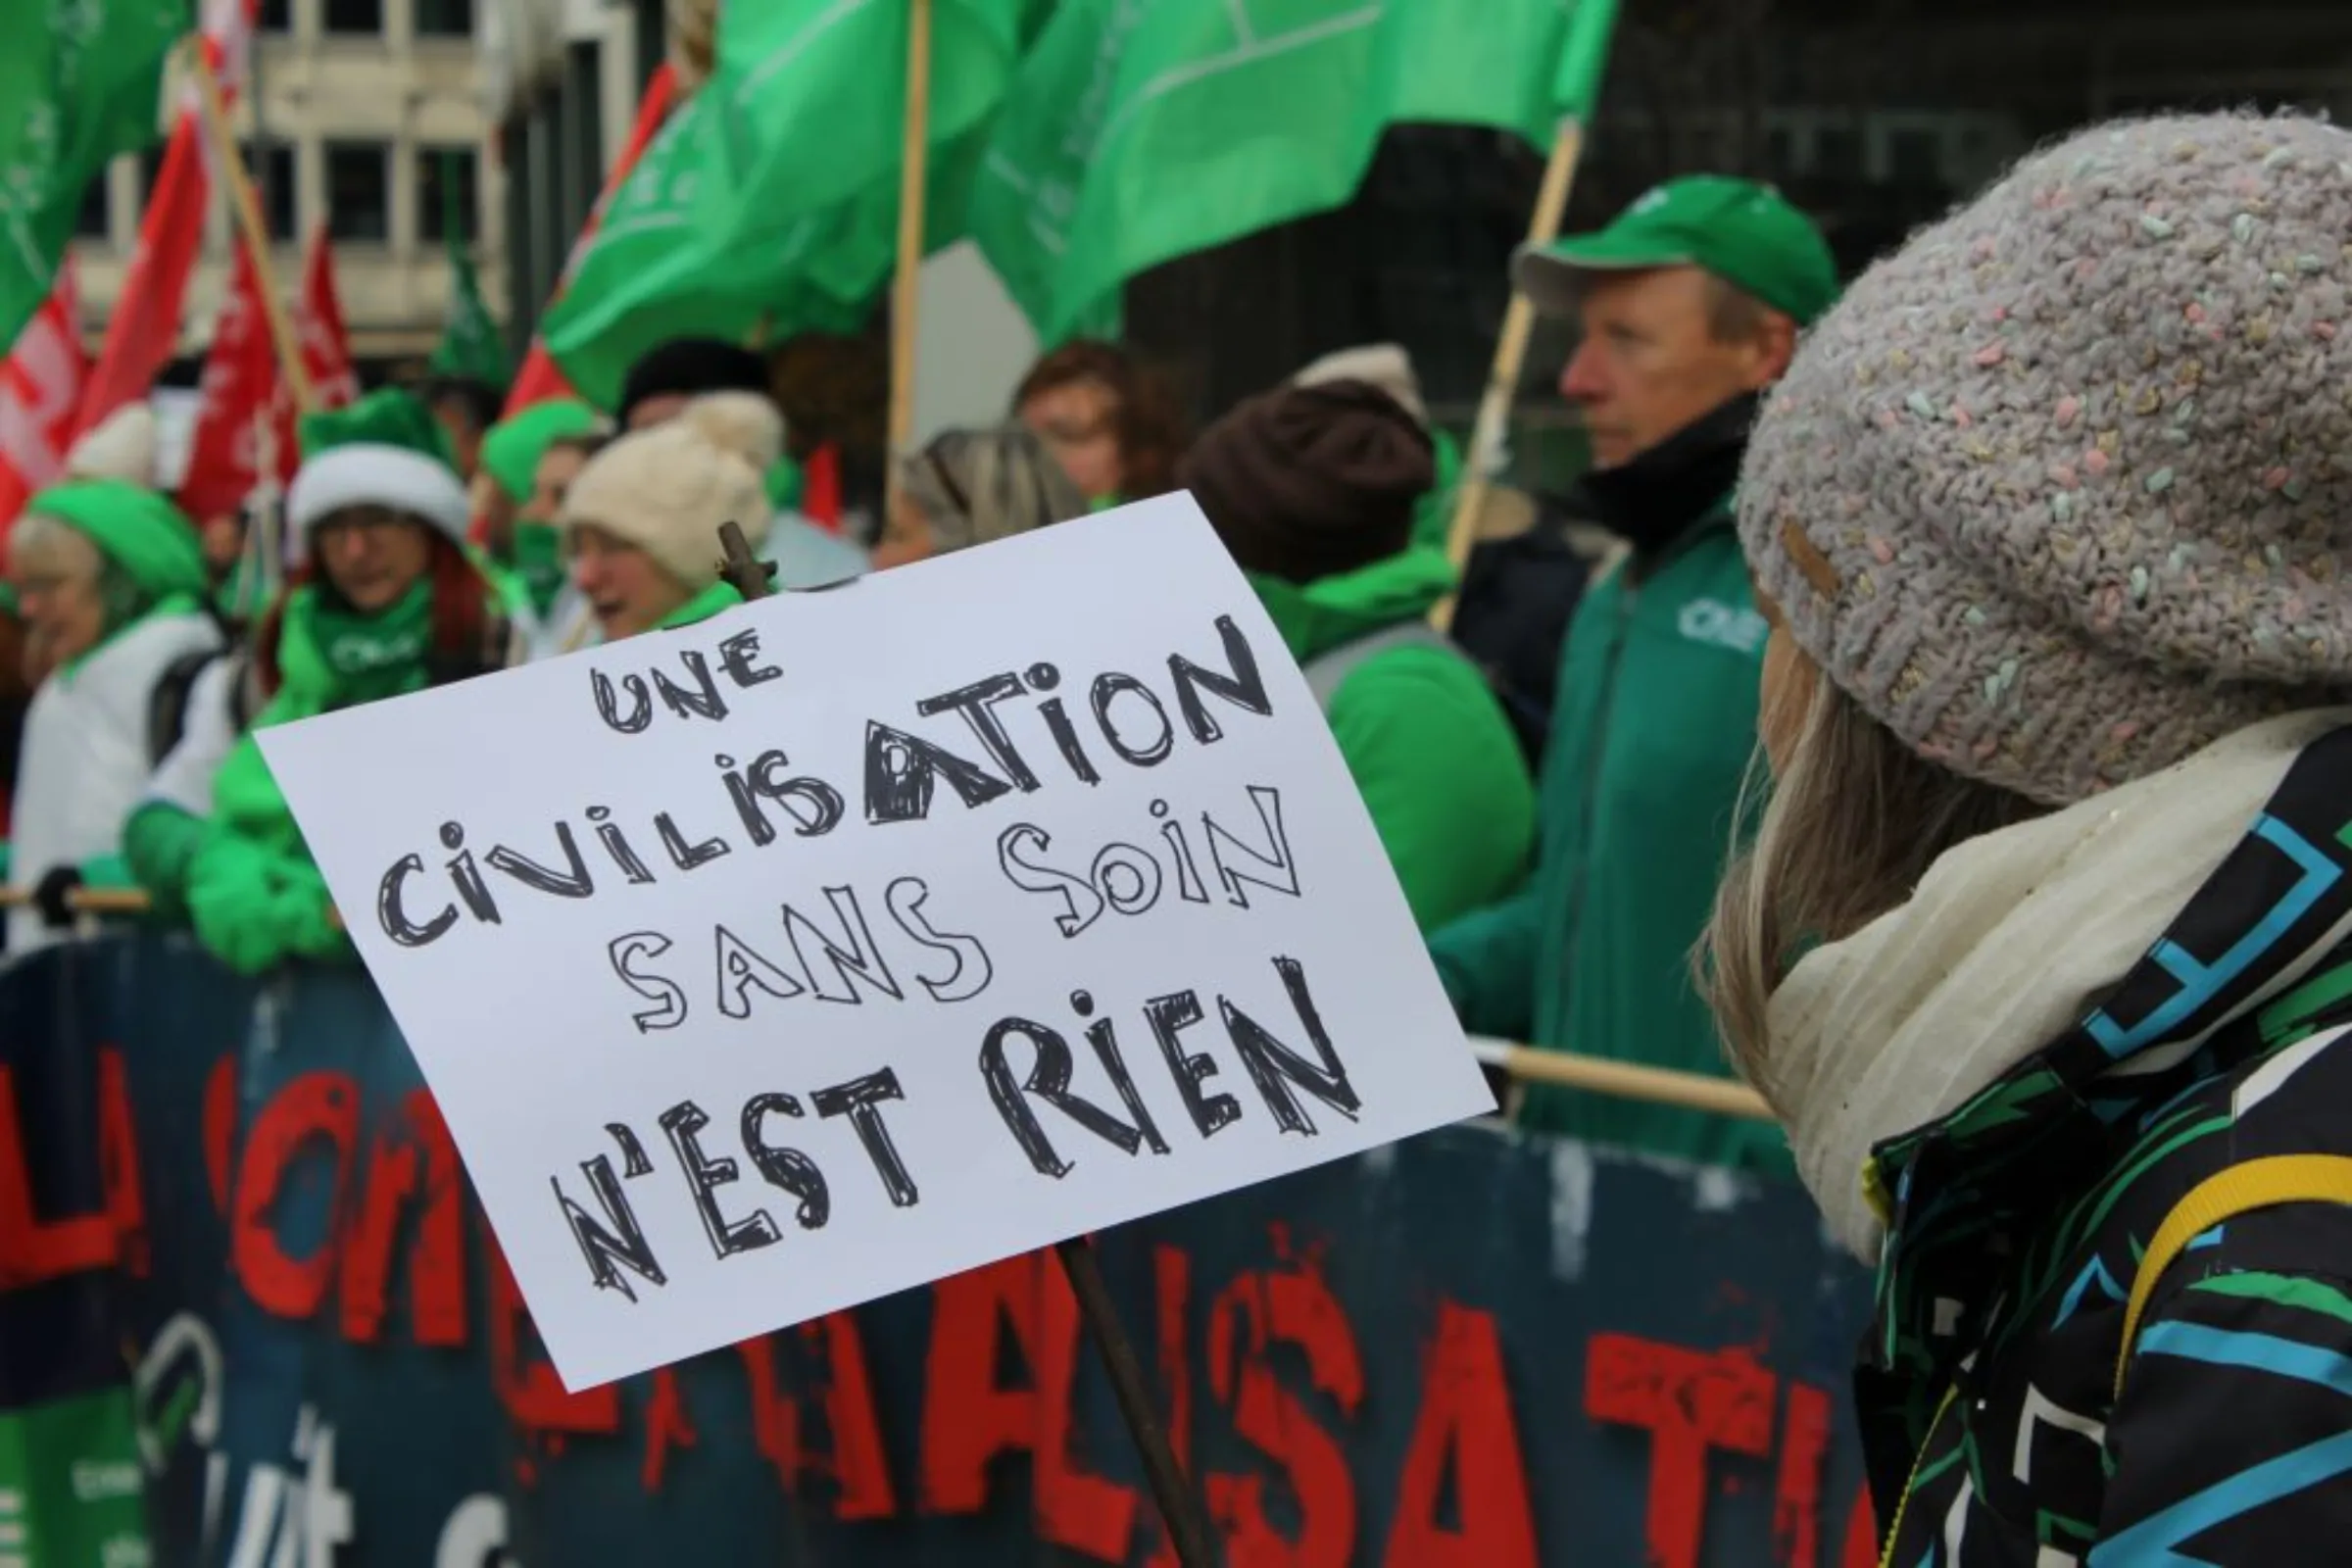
851	940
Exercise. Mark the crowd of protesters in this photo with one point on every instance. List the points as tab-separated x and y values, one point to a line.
2024	555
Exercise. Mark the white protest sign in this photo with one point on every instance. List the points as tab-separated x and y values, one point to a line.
853	939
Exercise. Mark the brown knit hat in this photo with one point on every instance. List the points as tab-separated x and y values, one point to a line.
1305	481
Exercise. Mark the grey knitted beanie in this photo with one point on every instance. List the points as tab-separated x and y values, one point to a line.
2061	492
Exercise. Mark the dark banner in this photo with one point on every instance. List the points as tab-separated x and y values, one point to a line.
241	1275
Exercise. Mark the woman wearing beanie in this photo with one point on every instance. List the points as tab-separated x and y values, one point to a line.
390	601
1313	490
968	487
641	521
2040	953
532	550
110	582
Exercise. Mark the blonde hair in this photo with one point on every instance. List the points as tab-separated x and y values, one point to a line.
973	486
1853	820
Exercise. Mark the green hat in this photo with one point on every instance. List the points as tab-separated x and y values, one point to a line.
1745	233
513	447
391	418
148	537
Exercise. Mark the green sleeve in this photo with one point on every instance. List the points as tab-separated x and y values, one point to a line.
1443	778
255	906
109	871
1487	963
160	844
7	858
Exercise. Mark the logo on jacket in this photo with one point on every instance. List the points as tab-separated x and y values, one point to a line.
1711	621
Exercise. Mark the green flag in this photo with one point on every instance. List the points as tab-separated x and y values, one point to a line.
772	195
80	82
1138	133
471	344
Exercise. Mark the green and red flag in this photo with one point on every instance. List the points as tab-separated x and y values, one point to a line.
80	82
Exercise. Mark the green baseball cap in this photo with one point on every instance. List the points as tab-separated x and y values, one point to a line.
1745	233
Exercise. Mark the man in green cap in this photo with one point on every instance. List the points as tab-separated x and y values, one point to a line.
1689	305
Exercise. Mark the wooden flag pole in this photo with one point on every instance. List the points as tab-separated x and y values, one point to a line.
907	283
246	208
1181	1509
1510	353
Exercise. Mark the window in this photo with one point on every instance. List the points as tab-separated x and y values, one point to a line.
1915	159
354	16
1838	153
447	179
90	222
273	171
445	18
276	16
359	191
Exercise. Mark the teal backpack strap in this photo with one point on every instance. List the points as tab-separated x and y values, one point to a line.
1328	670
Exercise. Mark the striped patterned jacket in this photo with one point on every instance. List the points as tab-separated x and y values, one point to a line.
1987	1384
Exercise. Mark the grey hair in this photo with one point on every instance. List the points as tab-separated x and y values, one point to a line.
1853	820
973	486
42	543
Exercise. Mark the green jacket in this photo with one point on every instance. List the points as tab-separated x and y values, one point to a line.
1424	739
1652	731
253	893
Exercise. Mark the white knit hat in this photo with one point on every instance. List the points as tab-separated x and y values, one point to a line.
373	475
122	446
1384	365
666	489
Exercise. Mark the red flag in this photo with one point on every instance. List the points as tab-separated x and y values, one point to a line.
41	383
246	415
318	322
238	398
539	379
145	327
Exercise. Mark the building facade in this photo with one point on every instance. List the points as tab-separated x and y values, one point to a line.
371	117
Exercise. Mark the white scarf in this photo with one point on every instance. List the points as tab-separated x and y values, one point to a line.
2009	940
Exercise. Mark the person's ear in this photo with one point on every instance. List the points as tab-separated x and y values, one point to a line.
1775	345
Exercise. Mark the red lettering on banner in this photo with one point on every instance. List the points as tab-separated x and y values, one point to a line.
1173	1289
1861	1535
1466	1416
1691	1402
437	1259
535	1398
969	1418
220	1126
857	1463
33	1249
118	1162
316	1105
1797	1495
665	1423
1289	1307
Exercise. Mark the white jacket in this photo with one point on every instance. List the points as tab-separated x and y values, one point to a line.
84	764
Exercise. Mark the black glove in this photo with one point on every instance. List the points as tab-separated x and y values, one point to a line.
49	895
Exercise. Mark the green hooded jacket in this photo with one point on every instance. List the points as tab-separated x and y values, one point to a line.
256	896
1424	739
1652	736
253	893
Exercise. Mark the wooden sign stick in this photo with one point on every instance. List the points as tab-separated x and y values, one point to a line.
1181	1509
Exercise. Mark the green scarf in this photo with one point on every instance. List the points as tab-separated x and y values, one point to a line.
539	562
333	656
720	594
